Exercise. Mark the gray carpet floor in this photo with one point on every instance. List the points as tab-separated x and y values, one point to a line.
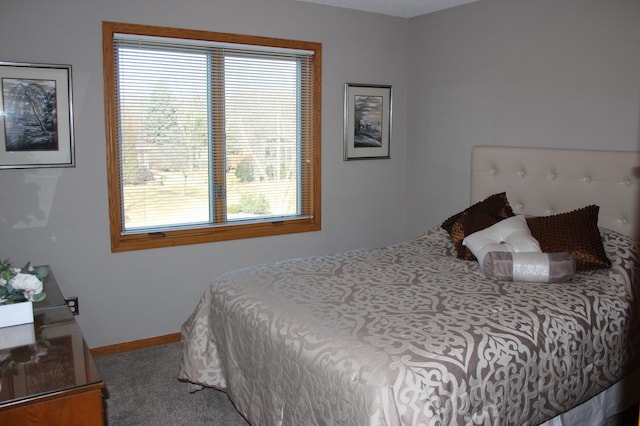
143	389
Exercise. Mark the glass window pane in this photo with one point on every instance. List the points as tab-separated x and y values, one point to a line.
261	126
164	149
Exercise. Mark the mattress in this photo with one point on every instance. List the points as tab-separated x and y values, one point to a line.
409	334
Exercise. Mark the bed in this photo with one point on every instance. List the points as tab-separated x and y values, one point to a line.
414	334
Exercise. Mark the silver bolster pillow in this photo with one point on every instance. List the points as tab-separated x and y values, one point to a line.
535	267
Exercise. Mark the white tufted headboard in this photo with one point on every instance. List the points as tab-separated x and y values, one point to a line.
544	181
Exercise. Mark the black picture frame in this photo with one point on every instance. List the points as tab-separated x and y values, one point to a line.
367	121
36	105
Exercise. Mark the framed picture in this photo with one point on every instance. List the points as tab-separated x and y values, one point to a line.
36	129
367	121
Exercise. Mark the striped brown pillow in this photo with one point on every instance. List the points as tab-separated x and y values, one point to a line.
575	232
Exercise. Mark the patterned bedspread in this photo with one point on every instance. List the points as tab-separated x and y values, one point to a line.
408	334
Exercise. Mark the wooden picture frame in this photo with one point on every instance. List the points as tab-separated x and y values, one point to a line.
36	105
367	121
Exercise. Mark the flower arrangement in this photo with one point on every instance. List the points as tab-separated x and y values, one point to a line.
21	284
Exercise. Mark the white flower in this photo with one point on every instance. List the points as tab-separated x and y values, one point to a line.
3	282
27	282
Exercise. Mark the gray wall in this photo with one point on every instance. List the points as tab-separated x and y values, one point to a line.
515	72
511	72
60	217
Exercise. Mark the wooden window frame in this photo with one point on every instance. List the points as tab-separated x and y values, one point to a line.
121	241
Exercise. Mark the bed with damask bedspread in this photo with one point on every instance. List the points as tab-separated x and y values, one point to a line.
414	333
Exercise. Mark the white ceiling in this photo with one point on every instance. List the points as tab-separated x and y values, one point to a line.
400	8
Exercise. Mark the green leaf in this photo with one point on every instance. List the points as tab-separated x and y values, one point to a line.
16	296
42	272
39	297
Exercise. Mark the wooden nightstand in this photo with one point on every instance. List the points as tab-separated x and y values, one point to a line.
54	381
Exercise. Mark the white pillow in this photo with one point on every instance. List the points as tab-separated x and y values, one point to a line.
511	235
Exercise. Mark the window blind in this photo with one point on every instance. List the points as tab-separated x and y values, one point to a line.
212	134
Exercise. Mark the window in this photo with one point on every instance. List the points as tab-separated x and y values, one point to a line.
210	136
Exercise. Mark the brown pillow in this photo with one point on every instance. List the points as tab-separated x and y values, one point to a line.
575	232
479	216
